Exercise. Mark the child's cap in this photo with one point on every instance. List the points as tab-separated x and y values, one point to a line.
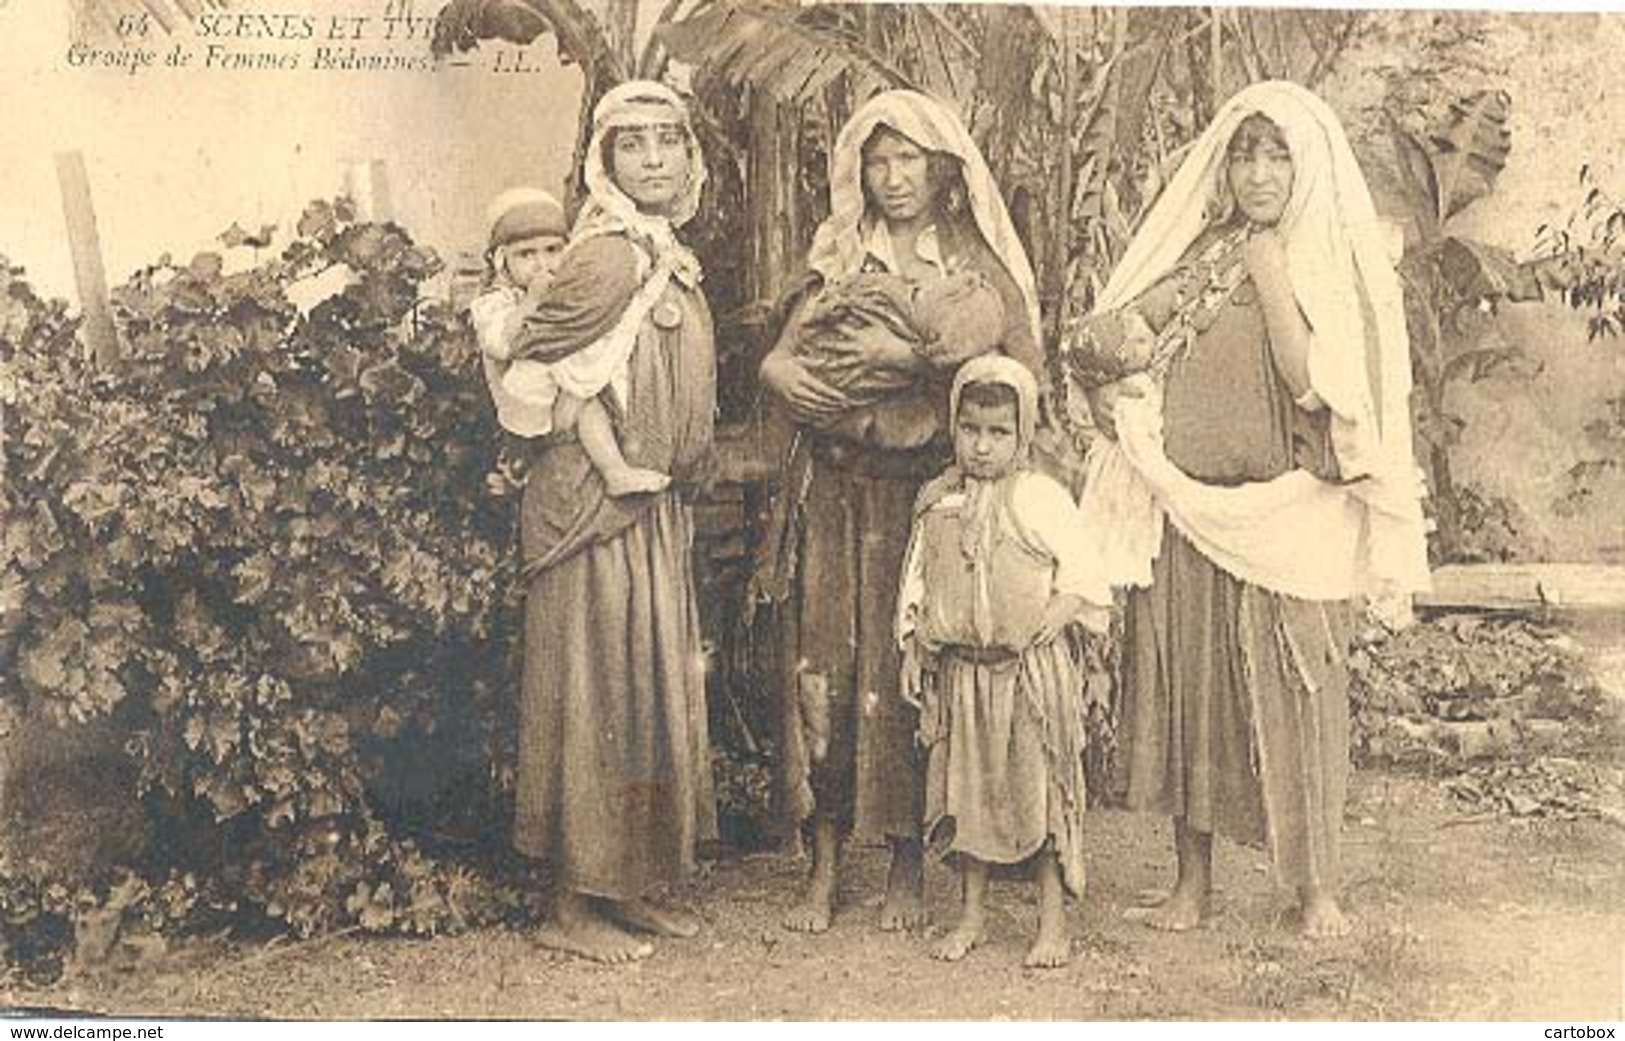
523	213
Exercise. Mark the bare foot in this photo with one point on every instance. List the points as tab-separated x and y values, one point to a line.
1050	950
635	480
904	907
650	917
816	909
1322	919
1052	947
964	939
812	915
577	930
1185	909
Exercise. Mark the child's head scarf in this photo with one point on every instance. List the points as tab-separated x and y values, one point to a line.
515	215
1003	371
523	213
986	500
838	245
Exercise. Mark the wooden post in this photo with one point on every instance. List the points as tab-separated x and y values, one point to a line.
1572	587
774	217
85	244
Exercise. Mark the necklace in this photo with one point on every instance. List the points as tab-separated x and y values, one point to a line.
1206	285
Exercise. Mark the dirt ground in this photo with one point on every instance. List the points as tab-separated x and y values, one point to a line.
1456	919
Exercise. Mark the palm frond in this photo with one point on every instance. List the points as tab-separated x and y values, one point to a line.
463	24
777	51
167	15
1472	147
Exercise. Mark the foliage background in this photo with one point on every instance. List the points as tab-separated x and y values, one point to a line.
240	536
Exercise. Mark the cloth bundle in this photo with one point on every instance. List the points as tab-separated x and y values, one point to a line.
945	322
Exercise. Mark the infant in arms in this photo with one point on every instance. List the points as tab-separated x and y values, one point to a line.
942	323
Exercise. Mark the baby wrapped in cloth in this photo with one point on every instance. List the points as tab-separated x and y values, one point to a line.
944	322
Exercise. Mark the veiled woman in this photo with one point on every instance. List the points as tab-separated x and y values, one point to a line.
910	196
1260	480
614	785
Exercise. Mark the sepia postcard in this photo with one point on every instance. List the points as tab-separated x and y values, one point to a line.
781	510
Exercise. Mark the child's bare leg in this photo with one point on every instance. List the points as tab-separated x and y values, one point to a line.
972	912
1322	917
1052	947
597	436
813	913
904	907
579	929
1192	896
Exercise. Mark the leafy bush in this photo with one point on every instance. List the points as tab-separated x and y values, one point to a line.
1408	690
1494	528
270	529
1583	260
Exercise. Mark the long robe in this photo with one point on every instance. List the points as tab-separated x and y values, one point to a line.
1236	698
614	786
847	501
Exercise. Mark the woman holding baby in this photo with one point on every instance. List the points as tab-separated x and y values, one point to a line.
1249	363
917	269
613	789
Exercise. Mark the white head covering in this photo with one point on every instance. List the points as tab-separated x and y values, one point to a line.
609	210
838	247
1004	371
1343	276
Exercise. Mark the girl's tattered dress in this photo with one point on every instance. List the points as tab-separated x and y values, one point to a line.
614	781
1003	720
1236	714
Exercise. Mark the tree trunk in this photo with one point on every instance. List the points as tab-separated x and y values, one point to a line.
775	210
1428	373
1446	511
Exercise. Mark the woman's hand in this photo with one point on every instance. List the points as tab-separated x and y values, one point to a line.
1103	401
1265	255
809	399
1060	612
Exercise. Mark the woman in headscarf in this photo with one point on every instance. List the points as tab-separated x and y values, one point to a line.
1257	478
614	783
910	196
995	574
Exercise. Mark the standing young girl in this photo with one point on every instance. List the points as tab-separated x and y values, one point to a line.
994	576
